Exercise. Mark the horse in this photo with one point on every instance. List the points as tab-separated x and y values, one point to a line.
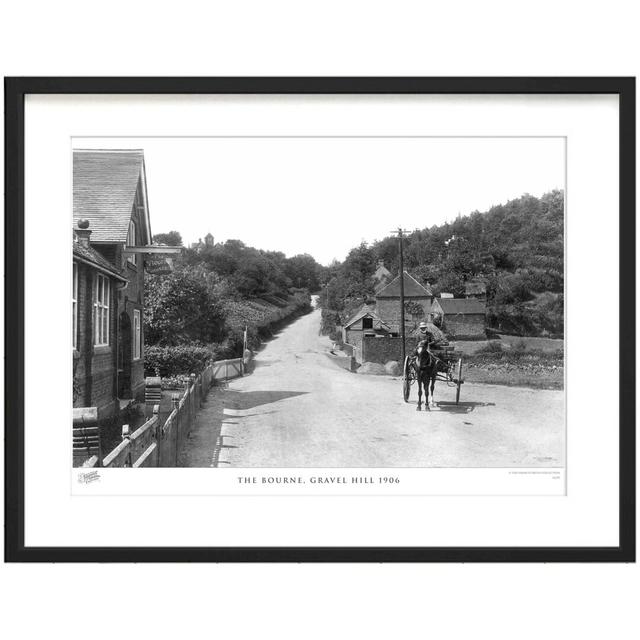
425	365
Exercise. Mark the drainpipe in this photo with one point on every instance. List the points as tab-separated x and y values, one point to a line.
120	287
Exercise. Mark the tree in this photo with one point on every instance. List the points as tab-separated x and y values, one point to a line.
172	239
303	271
360	263
180	309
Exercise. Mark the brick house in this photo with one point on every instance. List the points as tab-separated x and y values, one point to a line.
461	317
110	201
95	283
374	331
417	302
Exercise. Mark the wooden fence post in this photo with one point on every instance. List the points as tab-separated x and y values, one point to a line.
157	432
175	401
194	381
126	436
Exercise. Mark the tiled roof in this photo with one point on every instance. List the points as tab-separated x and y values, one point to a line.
88	254
461	305
412	288
104	187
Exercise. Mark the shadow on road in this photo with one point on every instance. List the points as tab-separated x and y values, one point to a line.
259	364
462	407
242	400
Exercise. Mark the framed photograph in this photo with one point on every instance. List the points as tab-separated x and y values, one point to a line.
320	319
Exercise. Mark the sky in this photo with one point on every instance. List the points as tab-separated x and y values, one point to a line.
325	195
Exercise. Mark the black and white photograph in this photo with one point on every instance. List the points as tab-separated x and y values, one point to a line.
326	302
297	326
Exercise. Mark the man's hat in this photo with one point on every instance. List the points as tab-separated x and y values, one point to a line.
422	325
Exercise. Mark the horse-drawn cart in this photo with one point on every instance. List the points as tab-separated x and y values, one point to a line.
449	370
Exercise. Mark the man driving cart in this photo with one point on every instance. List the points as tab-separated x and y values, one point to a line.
432	334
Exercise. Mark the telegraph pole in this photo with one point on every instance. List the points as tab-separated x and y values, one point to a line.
401	232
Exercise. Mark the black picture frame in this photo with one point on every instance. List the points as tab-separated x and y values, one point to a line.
15	91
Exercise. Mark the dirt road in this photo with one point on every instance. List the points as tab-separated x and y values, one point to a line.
299	409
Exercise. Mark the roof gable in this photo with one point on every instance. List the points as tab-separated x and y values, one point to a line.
412	288
104	191
366	311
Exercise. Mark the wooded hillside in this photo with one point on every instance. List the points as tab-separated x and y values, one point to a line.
516	248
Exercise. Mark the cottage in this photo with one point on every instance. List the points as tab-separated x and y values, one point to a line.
460	317
417	302
111	226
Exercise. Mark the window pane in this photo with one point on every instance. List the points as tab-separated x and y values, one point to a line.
135	334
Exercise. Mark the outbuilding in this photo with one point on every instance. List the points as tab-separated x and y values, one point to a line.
364	324
460	317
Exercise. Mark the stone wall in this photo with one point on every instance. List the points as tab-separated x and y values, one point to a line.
382	350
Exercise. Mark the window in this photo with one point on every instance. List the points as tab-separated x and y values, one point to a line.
367	323
137	335
131	241
74	302
101	293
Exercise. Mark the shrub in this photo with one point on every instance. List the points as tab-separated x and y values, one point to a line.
178	360
328	322
520	345
493	346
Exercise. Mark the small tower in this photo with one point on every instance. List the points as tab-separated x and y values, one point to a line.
208	240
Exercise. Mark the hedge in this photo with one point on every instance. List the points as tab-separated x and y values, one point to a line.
173	361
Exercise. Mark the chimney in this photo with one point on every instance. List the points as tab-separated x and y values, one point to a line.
83	233
380	263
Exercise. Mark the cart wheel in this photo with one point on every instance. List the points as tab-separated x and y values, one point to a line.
459	377
406	380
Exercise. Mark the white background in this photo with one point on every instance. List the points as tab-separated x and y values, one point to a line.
332	38
587	516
